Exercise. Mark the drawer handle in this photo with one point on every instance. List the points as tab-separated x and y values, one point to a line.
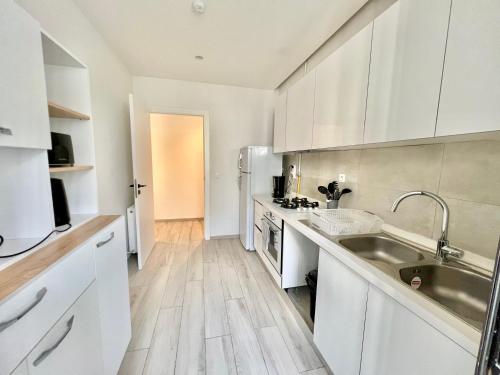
102	243
5	131
46	353
39	296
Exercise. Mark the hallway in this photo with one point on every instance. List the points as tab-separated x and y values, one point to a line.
209	307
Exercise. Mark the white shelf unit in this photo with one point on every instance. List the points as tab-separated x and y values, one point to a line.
68	90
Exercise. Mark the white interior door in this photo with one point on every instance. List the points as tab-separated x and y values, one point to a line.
143	178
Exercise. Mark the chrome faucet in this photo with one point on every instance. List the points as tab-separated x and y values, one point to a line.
443	249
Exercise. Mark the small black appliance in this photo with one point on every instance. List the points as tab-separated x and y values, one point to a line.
61	154
278	186
59	202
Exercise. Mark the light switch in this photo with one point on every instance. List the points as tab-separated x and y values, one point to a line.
341	177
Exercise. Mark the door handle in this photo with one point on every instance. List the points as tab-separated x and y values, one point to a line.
141	186
5	131
39	296
102	243
46	353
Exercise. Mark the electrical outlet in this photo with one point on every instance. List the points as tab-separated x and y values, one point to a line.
341	177
293	171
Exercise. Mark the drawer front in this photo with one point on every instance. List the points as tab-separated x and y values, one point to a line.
258	213
73	345
29	314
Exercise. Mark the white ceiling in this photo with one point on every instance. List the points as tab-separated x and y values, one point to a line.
250	43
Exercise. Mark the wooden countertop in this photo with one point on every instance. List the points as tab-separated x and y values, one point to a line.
22	272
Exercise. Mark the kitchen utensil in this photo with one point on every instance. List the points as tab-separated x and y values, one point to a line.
345	191
336	195
323	190
332	186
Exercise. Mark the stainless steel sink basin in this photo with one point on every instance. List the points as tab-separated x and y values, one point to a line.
379	248
462	290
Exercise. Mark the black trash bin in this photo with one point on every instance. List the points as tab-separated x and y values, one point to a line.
312	283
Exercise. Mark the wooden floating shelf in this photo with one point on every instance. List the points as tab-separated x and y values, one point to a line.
58	111
75	168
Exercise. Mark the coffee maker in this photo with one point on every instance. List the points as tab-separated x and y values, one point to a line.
278	186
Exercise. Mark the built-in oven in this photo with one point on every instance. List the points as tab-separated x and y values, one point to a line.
272	236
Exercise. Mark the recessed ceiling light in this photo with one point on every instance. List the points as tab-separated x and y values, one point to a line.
198	6
198	57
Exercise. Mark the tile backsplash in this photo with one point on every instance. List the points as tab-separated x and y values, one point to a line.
465	174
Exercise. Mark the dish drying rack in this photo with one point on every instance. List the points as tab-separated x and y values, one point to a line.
345	221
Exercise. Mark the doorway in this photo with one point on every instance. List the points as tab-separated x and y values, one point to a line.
177	155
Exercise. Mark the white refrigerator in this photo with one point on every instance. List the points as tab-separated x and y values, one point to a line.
257	165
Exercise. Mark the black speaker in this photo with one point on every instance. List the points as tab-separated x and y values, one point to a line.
59	202
62	150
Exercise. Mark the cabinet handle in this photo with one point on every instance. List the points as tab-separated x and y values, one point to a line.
39	296
46	353
102	243
5	131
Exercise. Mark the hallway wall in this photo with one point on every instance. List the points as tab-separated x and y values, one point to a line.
177	154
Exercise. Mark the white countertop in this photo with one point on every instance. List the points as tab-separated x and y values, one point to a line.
430	311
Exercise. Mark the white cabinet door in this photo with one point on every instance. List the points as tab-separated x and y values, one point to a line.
24	118
399	342
22	369
470	95
112	285
300	113
73	345
405	71
279	143
340	315
257	240
341	89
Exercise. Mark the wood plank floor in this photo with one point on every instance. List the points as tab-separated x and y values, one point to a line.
209	307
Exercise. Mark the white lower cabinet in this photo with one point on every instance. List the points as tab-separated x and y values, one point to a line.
112	282
257	240
22	369
361	330
73	345
396	341
340	315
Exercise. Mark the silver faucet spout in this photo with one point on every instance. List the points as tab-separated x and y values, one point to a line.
443	239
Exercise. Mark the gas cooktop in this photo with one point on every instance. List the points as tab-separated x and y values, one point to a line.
296	203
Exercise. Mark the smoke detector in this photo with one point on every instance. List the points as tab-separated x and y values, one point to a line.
198	6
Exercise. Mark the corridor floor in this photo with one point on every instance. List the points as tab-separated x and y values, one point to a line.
209	307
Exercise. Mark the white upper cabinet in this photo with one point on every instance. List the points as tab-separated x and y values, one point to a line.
279	144
300	113
340	98
470	94
405	73
24	119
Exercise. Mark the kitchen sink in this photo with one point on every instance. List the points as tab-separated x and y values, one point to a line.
460	289
457	287
379	248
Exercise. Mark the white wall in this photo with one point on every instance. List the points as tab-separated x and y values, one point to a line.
177	154
238	117
110	84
